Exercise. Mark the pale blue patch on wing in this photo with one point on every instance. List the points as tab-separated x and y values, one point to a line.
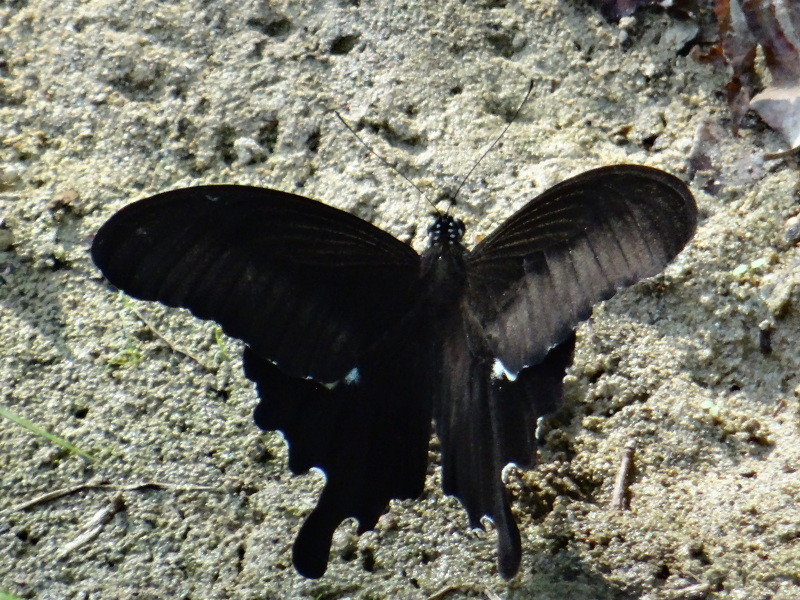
499	370
353	377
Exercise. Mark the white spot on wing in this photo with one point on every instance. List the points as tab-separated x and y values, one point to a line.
499	370
353	377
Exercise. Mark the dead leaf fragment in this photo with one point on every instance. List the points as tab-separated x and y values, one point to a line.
780	109
614	10
774	25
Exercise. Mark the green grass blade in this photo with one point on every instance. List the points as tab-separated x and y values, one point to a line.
45	434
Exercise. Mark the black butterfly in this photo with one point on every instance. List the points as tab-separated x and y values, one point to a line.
356	342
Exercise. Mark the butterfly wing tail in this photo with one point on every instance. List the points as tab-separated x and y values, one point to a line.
489	422
369	438
313	543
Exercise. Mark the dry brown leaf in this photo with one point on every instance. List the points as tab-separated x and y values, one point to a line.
775	26
614	10
779	107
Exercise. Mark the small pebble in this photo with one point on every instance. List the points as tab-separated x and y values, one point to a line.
765	337
791	230
6	237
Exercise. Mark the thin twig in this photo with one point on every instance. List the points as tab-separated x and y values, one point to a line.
109	486
783	154
50	496
438	595
172	346
95	525
468	587
621	482
688	592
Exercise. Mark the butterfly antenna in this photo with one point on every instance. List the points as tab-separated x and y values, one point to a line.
390	166
499	137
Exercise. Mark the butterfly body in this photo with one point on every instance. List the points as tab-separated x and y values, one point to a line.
357	343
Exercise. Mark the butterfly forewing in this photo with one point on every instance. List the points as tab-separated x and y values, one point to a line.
303	284
534	278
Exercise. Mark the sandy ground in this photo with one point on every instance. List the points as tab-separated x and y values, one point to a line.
103	102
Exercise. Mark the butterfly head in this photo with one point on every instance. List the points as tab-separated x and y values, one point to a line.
446	231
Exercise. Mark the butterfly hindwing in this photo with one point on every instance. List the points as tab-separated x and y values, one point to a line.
368	434
305	285
538	275
484	422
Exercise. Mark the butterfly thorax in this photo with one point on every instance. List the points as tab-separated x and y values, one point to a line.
446	230
443	263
